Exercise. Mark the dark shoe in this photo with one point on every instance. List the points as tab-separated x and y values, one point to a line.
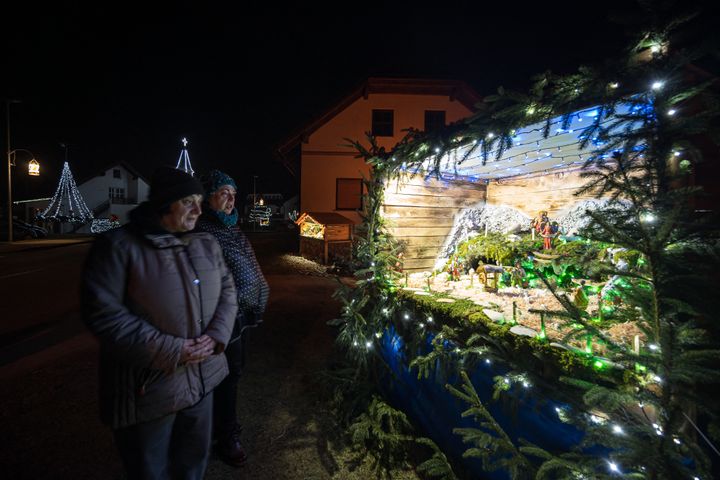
229	448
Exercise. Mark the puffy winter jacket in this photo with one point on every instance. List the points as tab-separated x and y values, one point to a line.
143	295
252	288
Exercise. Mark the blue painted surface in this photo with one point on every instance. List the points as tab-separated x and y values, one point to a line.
437	412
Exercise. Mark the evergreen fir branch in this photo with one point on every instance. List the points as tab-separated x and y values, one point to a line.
491	444
383	433
438	465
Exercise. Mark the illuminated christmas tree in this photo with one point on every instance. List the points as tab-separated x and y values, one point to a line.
183	162
67	205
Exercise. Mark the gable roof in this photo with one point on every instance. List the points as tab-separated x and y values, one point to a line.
133	171
324	218
454	89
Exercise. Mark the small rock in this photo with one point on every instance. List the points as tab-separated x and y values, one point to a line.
523	331
494	315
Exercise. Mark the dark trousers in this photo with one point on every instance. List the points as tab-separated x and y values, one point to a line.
225	409
175	446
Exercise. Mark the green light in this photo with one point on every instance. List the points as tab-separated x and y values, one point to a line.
599	365
640	368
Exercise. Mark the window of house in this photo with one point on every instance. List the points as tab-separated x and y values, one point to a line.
116	173
117	193
382	123
434	120
348	193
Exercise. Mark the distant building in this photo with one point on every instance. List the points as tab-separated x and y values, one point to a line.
330	172
114	191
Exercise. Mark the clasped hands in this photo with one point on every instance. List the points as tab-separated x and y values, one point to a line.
196	350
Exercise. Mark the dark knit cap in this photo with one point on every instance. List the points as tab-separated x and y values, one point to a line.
170	184
216	179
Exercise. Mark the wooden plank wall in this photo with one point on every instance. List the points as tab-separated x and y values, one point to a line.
552	192
421	213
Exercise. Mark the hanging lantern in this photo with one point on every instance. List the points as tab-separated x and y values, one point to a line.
34	168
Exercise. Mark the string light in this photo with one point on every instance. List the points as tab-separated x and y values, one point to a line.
67	203
183	162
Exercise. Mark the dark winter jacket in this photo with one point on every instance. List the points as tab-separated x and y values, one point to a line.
144	293
252	288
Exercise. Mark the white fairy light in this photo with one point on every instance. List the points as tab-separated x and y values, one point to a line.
487	360
183	162
618	429
657	85
597	419
407	317
368	344
672	112
430	320
653	347
676	440
67	203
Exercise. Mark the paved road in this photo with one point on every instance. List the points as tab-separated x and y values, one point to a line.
40	298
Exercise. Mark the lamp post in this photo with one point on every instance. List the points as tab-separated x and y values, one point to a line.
34	168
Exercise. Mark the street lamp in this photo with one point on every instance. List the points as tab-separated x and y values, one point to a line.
33	169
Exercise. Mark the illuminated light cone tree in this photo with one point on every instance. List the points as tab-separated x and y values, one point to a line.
183	162
67	205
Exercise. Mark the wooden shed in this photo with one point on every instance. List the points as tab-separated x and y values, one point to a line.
325	235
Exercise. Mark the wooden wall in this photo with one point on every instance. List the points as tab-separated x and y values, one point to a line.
421	214
552	192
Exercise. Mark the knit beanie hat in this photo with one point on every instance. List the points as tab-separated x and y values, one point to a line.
216	179
169	184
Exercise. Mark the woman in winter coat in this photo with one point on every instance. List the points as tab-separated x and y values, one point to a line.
162	303
220	219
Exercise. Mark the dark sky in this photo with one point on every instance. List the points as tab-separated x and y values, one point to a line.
128	82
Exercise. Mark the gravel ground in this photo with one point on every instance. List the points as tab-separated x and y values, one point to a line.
49	410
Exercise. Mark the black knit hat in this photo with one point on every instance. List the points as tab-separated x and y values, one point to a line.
169	184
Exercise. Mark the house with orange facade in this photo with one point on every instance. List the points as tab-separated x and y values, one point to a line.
330	174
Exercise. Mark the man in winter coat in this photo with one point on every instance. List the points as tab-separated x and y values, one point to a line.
220	219
163	304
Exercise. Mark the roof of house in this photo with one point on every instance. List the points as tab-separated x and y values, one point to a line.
324	218
455	89
133	171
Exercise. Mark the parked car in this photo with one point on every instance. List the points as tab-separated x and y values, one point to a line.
21	230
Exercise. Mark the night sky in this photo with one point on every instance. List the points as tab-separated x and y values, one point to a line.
126	83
